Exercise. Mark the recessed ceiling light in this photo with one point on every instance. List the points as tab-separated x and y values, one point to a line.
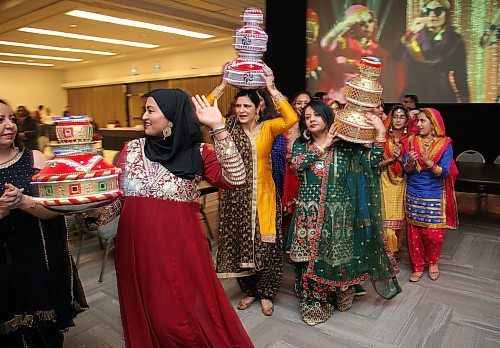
73	25
86	37
8	54
55	48
23	63
137	24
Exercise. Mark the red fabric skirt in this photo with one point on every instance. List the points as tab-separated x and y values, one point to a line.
169	293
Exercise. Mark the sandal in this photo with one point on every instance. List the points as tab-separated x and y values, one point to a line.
266	310
434	275
415	276
246	302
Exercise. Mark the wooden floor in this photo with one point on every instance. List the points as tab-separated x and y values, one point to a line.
461	309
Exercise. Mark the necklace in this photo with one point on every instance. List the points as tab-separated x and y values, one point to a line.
11	160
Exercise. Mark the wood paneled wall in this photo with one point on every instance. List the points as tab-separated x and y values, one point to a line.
204	85
105	104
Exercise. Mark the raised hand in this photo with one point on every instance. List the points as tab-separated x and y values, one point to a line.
207	114
376	122
417	24
269	78
331	137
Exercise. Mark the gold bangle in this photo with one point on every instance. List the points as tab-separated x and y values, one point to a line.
438	170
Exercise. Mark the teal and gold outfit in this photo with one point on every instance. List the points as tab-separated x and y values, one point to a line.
328	238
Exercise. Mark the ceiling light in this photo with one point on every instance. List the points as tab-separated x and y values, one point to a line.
39	57
23	63
86	37
137	24
55	48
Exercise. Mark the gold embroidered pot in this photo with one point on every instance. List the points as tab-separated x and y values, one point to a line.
363	93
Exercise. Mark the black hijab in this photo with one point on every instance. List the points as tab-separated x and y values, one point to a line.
180	152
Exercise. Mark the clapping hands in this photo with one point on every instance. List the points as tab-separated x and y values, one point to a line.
12	198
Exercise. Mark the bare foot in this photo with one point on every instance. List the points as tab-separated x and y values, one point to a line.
267	307
246	302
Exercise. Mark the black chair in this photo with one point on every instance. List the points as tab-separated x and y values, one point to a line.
470	156
203	194
106	234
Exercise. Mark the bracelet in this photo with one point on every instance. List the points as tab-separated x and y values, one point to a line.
278	98
217	130
437	170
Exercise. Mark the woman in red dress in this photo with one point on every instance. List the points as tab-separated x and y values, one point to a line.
169	293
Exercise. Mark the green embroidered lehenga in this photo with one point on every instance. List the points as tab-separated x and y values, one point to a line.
336	238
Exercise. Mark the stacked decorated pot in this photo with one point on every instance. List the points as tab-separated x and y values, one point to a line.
363	93
250	43
78	178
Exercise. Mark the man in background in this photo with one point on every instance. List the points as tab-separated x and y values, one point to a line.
27	128
410	101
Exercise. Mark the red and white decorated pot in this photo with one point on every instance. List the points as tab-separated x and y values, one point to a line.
80	179
246	73
77	183
250	42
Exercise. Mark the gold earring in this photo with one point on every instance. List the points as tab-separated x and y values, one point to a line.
167	131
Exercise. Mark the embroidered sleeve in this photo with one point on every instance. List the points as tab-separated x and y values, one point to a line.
303	156
233	169
376	155
110	212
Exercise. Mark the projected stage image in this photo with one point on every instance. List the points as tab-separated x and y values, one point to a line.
442	51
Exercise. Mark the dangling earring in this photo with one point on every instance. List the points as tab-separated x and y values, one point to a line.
167	131
405	130
257	117
306	134
391	129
